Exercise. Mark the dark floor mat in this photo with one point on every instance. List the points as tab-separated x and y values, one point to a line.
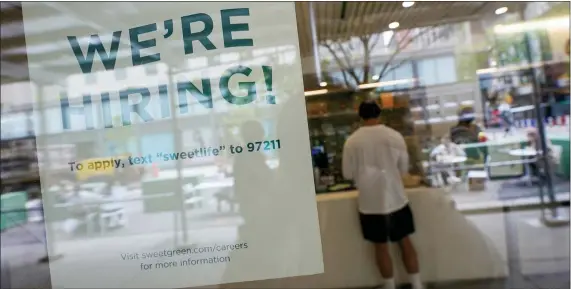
514	190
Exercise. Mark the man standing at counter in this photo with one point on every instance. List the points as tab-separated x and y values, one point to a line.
375	157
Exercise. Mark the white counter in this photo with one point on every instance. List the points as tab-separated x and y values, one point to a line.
449	246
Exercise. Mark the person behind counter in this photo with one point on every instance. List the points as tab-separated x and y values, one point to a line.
467	132
376	157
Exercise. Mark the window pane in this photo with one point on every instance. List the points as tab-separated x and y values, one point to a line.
388	75
446	69
120	74
403	72
14	125
426	72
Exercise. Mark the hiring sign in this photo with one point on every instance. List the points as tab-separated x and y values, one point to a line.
209	95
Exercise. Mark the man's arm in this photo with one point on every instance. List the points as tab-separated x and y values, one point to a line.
347	160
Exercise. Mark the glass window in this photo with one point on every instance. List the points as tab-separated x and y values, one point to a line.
197	62
337	78
151	69
427	72
53	119
474	145
404	72
229	57
153	143
388	73
90	78
438	70
14	125
445	69
76	120
120	74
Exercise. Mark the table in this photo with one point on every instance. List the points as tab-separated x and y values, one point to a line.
526	152
452	160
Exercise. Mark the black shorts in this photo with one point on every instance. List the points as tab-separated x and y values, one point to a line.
391	227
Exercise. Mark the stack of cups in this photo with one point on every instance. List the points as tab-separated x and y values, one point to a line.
561	120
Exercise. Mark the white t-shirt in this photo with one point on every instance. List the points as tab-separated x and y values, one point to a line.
376	157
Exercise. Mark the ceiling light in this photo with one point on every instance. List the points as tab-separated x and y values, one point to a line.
323	84
375	77
407	4
501	10
394	25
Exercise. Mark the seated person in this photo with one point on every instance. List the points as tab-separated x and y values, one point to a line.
537	168
447	150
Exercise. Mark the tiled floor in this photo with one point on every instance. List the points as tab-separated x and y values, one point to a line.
538	256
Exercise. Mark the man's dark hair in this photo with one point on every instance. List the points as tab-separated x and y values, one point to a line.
369	110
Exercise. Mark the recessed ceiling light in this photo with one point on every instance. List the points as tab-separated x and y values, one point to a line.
501	10
323	84
407	4
394	25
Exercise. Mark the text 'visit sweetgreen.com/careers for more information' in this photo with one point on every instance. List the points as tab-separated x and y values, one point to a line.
121	162
162	259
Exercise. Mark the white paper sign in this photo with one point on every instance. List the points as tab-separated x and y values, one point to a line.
172	142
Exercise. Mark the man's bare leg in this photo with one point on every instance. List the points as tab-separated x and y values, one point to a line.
385	264
410	260
409	256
